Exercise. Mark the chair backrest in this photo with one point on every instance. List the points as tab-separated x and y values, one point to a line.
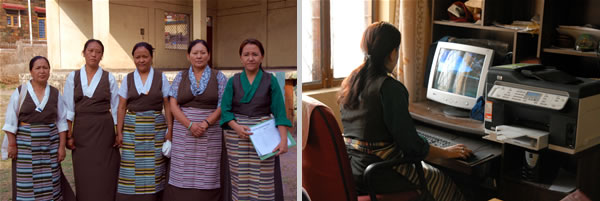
326	171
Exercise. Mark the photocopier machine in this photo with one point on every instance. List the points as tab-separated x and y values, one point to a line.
537	107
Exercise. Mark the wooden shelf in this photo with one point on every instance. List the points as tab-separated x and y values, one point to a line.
517	188
432	113
475	26
571	52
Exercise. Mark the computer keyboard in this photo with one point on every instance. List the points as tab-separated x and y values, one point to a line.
434	140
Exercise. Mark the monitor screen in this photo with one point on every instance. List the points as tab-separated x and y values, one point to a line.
458	74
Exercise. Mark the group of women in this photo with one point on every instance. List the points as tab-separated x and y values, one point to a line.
204	114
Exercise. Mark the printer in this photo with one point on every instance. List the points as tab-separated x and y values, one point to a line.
547	100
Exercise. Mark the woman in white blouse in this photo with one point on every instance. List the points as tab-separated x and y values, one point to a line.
36	129
91	100
142	129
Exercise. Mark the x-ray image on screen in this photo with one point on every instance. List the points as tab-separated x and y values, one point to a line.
458	72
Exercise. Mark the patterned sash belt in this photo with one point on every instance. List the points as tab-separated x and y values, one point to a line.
146	112
382	150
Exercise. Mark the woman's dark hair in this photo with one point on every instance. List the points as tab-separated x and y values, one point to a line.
35	59
144	45
194	42
378	41
254	42
90	41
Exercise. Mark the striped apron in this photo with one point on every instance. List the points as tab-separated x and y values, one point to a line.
142	163
441	187
38	174
251	178
196	161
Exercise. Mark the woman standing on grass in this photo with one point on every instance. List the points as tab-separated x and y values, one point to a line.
142	129
36	128
90	97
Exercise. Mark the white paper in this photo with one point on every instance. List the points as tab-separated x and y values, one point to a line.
564	182
504	131
265	137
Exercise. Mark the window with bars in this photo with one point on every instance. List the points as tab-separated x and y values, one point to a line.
177	30
42	28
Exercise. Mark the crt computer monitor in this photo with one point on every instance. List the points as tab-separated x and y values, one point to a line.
457	76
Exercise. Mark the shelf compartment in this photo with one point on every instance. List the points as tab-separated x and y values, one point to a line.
477	26
571	52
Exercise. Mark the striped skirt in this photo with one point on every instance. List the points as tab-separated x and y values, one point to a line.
38	173
251	178
441	187
195	161
142	169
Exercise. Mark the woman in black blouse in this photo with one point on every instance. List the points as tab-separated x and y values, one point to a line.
376	120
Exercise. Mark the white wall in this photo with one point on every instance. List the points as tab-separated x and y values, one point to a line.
126	22
281	36
128	17
273	23
75	28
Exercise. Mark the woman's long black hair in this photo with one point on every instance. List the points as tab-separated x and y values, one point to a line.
378	41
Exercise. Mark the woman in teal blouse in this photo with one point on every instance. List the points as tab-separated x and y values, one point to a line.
251	97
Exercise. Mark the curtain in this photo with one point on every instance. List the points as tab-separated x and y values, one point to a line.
413	17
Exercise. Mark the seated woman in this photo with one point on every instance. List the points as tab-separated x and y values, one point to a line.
376	120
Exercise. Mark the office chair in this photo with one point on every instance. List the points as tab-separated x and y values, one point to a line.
326	171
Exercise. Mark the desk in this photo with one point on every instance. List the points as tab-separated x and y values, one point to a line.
460	130
482	177
432	113
476	169
429	115
584	165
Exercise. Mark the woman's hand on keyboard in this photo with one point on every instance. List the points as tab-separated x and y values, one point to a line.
458	151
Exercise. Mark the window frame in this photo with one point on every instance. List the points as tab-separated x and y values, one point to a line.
14	19
39	30
189	24
327	78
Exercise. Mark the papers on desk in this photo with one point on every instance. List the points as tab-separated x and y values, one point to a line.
265	137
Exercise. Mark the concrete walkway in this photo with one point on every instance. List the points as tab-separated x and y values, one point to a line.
288	172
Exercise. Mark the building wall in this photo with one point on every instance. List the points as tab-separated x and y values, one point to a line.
16	61
272	22
328	97
128	18
13	34
75	27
